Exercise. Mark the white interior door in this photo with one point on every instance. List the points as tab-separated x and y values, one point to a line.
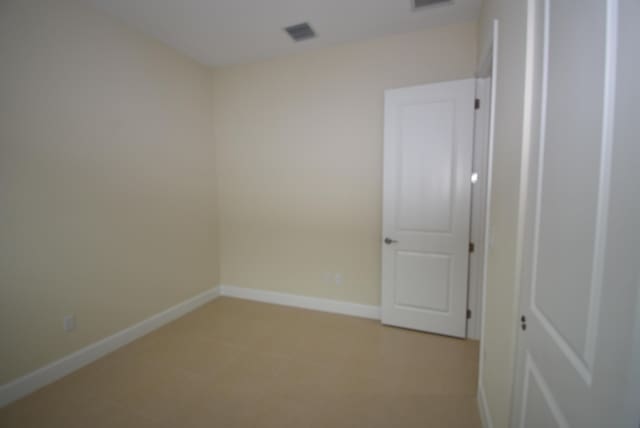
426	203
580	260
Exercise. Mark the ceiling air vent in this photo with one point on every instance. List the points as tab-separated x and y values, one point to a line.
419	4
301	32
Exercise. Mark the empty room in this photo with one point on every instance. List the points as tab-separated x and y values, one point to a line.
319	213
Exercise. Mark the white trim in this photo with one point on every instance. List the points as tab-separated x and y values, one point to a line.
517	383
306	302
483	407
51	372
479	204
493	51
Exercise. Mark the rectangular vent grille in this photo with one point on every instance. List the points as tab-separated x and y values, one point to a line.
419	4
300	32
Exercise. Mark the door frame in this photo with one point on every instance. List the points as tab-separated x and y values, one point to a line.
479	202
488	67
523	191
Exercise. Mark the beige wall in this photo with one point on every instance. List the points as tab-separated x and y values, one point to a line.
501	290
299	143
107	184
108	178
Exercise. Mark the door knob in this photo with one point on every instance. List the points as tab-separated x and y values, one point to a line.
389	241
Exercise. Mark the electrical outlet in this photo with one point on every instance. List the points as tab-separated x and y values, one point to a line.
69	323
338	279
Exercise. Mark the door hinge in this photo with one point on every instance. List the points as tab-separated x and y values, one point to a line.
476	104
468	314
472	247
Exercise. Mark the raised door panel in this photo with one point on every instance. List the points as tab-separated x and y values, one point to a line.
426	147
423	281
571	170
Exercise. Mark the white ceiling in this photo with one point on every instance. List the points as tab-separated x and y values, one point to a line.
224	32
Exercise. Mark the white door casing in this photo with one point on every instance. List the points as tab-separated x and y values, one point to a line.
577	292
482	120
426	206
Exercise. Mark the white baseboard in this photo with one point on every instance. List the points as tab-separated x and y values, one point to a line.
485	415
37	379
314	303
51	372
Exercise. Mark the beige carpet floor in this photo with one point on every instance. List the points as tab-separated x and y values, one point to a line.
235	363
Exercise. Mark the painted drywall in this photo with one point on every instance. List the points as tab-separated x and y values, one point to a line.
299	157
107	180
502	264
